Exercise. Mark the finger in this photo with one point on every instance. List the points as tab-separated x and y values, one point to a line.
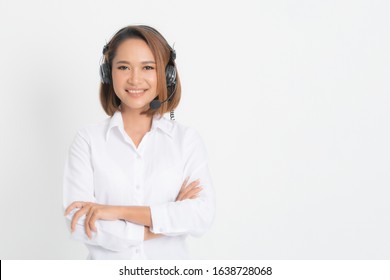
191	186
73	205
92	221
179	196
195	191
182	189
77	216
182	194
184	183
86	223
187	188
192	192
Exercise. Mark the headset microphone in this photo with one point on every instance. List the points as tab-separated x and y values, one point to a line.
155	104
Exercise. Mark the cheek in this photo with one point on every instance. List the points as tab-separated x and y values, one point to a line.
151	77
118	76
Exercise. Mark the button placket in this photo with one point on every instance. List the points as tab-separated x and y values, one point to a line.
137	179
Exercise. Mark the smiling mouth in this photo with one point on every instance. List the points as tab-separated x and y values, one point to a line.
135	92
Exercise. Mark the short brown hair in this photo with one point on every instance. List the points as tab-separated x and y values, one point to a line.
161	52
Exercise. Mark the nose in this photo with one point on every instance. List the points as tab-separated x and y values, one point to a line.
134	77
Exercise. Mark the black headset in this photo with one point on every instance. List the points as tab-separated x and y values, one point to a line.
170	72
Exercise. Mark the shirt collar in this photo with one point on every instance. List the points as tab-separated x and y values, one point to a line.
158	122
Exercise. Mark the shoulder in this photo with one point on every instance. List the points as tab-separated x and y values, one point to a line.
181	132
92	131
187	137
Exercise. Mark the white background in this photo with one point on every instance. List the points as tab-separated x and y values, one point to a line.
291	98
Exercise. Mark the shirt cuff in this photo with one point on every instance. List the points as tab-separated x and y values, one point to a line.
112	235
159	216
135	232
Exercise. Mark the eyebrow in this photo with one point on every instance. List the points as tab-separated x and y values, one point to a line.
143	62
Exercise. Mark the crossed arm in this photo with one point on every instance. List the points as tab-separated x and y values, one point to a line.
135	214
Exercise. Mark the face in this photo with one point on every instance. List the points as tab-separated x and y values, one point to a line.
134	75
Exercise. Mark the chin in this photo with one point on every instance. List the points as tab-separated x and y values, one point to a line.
137	107
141	104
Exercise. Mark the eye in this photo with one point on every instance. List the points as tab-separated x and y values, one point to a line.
123	67
149	67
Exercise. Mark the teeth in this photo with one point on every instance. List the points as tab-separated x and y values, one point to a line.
135	91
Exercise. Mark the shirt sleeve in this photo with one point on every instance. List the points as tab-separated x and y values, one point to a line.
190	216
78	186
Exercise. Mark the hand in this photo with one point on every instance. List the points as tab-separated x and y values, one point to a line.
93	212
190	191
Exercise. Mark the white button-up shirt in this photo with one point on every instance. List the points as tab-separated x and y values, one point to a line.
104	166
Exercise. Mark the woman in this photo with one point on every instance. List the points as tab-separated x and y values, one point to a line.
138	183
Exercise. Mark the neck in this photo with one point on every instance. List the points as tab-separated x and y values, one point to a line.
135	122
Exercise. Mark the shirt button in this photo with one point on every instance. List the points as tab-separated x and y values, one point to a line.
137	187
137	251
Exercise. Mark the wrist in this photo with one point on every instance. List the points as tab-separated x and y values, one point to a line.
122	212
136	214
146	233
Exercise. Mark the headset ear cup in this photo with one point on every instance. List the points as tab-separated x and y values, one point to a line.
170	75
105	73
